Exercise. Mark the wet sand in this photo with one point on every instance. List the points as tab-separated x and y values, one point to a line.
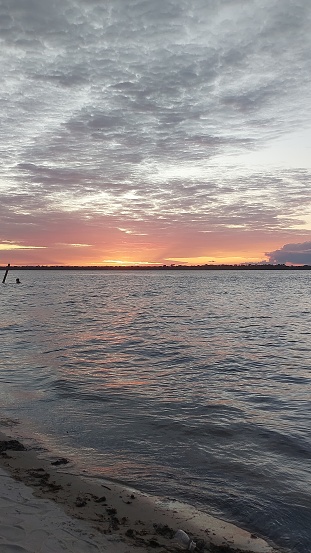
96	515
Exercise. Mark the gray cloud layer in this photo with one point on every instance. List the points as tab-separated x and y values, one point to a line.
102	101
296	254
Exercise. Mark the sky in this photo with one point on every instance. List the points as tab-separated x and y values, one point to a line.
155	132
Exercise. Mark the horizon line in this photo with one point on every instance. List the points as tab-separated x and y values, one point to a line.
172	266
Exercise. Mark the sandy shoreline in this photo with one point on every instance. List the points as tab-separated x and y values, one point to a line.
109	515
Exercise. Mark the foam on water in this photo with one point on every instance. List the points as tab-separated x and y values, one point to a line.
190	384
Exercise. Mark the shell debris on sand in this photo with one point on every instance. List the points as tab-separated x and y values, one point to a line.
32	525
122	516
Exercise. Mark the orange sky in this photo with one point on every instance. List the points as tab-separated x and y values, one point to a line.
178	248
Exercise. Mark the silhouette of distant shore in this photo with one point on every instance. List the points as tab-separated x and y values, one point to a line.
171	267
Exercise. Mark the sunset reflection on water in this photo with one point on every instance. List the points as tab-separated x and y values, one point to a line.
189	384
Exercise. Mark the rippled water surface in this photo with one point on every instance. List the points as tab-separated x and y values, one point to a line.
191	384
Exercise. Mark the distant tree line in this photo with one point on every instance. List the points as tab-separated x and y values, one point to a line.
172	267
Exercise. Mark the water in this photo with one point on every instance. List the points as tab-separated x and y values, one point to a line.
195	385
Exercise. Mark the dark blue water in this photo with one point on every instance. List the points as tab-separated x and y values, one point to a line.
190	384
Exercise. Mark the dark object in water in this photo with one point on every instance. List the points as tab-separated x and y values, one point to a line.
61	461
18	281
6	273
13	445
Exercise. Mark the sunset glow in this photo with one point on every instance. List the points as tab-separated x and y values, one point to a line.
155	133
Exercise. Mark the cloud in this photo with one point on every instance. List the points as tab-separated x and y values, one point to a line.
8	246
133	114
153	80
295	254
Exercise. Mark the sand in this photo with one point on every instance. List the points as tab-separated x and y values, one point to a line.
45	507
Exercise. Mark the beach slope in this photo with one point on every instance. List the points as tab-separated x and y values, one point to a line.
46	507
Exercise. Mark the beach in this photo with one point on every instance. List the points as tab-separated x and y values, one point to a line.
46	507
